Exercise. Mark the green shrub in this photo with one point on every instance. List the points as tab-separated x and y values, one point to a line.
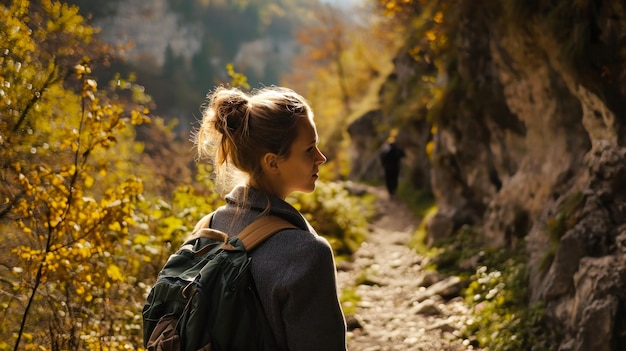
338	216
349	300
503	318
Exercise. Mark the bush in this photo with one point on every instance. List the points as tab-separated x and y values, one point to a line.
503	318
334	213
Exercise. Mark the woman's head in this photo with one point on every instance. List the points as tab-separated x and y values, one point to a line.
255	132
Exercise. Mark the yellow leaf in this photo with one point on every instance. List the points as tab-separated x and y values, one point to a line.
89	181
115	226
114	272
141	239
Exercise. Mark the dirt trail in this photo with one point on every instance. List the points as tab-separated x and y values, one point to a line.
396	311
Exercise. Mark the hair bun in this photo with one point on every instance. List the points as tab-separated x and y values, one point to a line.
231	110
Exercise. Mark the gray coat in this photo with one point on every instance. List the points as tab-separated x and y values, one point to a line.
294	271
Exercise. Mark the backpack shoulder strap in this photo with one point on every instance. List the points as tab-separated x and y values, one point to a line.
203	225
203	222
259	230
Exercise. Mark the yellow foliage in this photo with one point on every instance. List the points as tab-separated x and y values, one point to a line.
237	79
115	226
80	231
114	273
70	209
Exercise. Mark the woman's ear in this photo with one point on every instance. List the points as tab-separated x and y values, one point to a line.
270	163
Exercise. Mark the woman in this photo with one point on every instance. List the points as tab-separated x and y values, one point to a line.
271	139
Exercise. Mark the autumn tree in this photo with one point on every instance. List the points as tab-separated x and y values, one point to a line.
429	46
344	58
82	239
61	214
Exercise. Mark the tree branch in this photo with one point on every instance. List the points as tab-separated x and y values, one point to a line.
36	96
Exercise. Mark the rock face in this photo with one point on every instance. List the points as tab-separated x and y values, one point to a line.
530	148
365	164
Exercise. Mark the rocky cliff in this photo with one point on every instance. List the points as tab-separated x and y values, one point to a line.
529	148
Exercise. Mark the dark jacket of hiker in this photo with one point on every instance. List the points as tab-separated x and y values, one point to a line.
390	156
294	271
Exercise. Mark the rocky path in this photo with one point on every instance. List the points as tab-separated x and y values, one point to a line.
400	305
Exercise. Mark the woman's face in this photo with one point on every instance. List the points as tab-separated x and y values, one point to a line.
299	171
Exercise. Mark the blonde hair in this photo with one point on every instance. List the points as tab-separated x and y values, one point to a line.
239	128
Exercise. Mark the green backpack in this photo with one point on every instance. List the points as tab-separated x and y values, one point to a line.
205	298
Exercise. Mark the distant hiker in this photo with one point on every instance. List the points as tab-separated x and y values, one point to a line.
269	136
390	156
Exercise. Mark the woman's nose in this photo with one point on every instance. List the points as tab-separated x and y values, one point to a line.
321	158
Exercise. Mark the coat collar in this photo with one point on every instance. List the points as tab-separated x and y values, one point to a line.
254	199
